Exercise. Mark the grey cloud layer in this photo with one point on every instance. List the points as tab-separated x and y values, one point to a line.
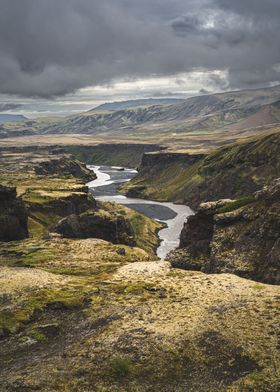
54	47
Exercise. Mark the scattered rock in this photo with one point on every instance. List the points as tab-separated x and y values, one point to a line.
121	251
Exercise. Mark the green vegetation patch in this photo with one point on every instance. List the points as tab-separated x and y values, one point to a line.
234	205
12	319
121	368
37	335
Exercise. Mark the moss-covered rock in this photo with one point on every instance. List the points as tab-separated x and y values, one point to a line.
65	167
113	223
97	224
167	331
239	236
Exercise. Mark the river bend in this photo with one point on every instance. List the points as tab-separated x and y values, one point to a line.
105	188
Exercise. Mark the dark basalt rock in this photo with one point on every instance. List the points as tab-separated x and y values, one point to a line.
65	167
245	241
120	251
198	231
153	159
112	228
13	215
136	191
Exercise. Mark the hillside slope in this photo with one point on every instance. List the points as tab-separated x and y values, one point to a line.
229	172
120	105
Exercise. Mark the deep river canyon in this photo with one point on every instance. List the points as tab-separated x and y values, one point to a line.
105	188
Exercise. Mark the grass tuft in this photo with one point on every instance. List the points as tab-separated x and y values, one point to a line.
234	205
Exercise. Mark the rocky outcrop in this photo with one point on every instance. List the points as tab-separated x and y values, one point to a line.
150	160
97	224
157	171
65	167
198	230
64	205
13	215
240	237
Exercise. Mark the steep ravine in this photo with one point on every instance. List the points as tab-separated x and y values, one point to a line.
172	216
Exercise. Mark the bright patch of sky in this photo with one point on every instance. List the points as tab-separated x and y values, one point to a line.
182	85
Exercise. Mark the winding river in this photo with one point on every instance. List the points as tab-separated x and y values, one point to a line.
105	188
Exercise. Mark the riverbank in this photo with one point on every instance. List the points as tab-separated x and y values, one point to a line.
173	216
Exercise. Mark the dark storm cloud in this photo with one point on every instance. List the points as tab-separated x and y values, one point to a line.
54	47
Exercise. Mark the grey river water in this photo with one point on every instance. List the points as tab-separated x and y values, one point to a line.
105	188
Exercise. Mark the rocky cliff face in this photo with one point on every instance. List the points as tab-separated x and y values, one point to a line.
13	215
72	202
65	167
121	154
241	237
97	224
150	160
157	171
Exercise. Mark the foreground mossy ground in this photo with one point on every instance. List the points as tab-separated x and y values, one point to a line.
137	327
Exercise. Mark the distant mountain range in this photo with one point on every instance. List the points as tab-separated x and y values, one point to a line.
231	111
122	105
11	118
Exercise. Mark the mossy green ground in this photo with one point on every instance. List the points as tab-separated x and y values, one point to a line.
134	330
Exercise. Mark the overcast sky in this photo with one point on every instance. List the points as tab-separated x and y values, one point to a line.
67	55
